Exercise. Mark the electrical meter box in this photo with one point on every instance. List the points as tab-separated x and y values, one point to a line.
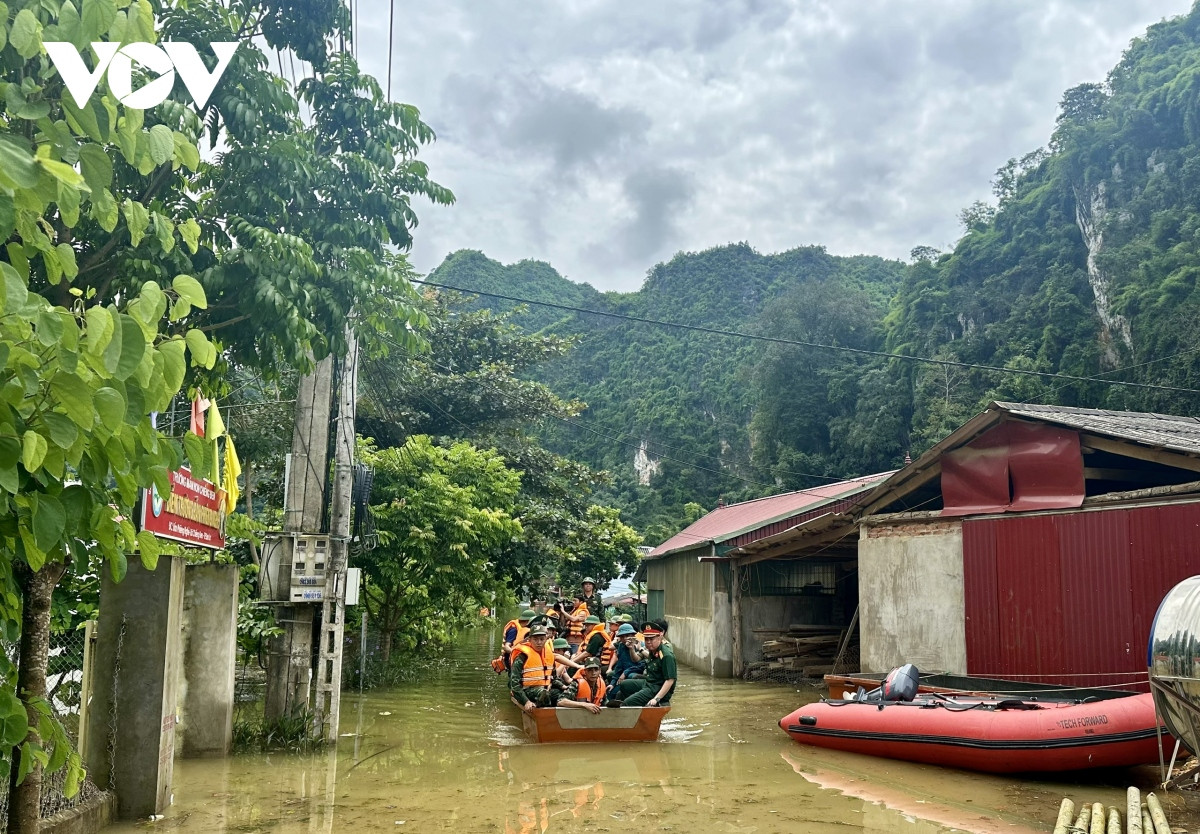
293	567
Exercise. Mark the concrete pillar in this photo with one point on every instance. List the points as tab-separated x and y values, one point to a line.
132	715
210	603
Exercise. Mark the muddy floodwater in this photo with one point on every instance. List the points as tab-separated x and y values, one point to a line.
446	753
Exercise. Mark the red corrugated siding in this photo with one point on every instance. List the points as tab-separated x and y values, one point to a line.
1070	598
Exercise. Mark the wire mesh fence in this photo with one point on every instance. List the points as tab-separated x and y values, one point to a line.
64	690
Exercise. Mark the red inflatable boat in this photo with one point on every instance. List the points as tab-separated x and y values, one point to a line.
989	734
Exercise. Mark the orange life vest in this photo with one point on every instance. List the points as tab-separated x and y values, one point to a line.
522	633
538	667
607	651
585	693
508	625
575	630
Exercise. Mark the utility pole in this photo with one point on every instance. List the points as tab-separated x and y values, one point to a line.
327	704
289	656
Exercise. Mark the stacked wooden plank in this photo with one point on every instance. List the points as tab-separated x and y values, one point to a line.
808	650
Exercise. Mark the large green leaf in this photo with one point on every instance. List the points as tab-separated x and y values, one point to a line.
162	144
33	450
75	399
197	450
96	166
17	166
97	17
62	431
137	218
189	289
101	324
149	549
110	405
203	353
10	453
49	521
127	348
14	721
26	34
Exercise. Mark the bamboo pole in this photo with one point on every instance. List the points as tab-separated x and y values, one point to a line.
1065	812
1097	818
1114	820
1083	822
1147	823
1133	811
1157	815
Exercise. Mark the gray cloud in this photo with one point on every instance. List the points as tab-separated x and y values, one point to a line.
604	137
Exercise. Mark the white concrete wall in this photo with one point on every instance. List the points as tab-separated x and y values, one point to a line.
911	595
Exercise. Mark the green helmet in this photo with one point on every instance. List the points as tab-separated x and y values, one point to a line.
587	579
592	620
527	614
561	643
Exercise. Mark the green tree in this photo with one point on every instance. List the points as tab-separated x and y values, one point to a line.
442	514
80	374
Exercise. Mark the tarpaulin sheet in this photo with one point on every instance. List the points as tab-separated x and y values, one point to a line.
1014	467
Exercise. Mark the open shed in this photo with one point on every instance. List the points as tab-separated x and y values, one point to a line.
718	612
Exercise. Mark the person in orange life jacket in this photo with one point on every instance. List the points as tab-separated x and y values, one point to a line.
587	690
564	667
594	603
596	642
514	633
532	672
629	655
575	622
606	666
658	685
514	630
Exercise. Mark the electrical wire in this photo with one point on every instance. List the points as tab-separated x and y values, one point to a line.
715	331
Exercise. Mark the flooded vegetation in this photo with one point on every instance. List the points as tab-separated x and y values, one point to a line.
446	753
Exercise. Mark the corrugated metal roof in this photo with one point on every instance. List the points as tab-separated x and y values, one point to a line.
1165	431
742	521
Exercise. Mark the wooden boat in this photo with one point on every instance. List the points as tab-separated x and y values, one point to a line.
842	686
995	735
557	724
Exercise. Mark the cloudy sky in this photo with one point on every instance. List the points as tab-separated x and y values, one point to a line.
604	137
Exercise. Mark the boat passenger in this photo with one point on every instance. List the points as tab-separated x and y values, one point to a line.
658	685
564	667
575	620
629	655
587	690
591	598
514	633
596	642
532	672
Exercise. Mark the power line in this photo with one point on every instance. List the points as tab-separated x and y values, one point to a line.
616	438
715	331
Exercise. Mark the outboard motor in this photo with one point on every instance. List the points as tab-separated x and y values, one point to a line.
901	684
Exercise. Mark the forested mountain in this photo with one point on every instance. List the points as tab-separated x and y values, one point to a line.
670	412
1086	266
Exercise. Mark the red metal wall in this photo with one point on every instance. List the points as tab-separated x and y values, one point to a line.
1071	598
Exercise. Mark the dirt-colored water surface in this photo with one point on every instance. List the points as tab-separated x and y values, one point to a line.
446	753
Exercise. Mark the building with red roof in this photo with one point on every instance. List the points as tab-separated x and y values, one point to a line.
689	577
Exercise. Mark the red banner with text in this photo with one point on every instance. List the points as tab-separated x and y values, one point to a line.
194	514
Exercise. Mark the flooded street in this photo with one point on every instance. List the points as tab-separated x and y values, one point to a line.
446	753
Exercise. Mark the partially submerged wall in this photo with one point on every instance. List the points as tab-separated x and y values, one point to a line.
696	608
911	606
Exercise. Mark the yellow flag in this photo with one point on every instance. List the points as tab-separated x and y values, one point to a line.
214	428
233	468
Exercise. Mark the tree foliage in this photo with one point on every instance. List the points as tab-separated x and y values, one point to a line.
443	513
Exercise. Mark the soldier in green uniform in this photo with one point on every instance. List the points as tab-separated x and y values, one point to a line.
658	684
532	671
591	598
